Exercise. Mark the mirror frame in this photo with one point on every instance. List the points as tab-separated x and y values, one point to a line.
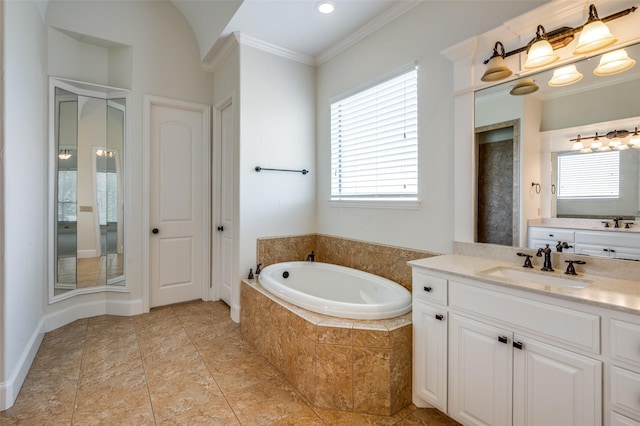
100	92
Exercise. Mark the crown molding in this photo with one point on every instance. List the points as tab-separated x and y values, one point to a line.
222	51
375	24
246	40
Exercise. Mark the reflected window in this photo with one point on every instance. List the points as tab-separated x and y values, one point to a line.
67	196
594	175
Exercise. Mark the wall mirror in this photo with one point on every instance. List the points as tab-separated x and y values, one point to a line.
548	122
88	136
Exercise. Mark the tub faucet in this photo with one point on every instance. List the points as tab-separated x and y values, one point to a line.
311	257
546	266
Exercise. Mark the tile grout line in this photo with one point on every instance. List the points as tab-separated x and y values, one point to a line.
144	369
206	365
75	396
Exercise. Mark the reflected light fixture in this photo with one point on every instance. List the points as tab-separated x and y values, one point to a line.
496	67
634	141
613	63
64	154
565	76
325	7
578	145
541	52
524	87
595	34
104	153
597	143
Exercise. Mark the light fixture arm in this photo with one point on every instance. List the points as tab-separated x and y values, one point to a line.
558	37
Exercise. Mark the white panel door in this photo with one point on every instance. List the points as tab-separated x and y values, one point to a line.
480	373
176	255
555	387
226	203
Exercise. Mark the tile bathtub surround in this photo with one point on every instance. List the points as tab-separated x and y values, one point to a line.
386	261
350	365
179	364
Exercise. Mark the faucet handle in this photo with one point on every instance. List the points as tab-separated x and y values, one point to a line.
606	223
571	270
527	260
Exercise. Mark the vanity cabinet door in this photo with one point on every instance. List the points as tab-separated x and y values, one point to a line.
554	387
480	375
430	356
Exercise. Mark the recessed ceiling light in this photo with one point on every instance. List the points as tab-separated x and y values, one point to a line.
325	7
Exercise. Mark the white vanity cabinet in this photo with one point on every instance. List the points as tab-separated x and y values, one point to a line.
624	371
539	237
618	245
430	318
508	360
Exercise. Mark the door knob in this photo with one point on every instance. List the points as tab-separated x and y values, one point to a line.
220	228
155	230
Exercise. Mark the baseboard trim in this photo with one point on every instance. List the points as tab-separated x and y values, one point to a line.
235	313
9	390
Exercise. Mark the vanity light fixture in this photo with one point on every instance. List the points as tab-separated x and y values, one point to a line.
496	67
578	145
613	63
595	34
524	87
325	7
64	154
541	52
565	76
562	37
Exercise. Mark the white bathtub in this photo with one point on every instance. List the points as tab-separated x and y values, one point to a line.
336	290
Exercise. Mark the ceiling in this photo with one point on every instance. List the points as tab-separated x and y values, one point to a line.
293	25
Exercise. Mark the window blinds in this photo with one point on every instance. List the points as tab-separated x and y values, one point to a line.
595	175
374	142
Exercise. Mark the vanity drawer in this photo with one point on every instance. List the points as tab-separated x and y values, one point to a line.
620	238
562	325
554	234
625	342
625	391
430	288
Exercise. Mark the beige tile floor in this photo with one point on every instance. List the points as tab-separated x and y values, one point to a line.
184	364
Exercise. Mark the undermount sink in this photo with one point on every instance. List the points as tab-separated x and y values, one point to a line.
524	276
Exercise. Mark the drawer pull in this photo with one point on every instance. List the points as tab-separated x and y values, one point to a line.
428	289
551	235
503	339
439	317
518	345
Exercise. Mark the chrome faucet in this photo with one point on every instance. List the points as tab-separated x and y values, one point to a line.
546	266
311	257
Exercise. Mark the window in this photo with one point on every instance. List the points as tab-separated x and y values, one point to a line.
594	175
67	196
374	142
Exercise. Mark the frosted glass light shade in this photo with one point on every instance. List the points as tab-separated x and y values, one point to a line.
564	76
496	69
595	35
524	87
540	54
613	63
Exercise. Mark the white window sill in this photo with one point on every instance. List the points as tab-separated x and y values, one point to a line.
376	204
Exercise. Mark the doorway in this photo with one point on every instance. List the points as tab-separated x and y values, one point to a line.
178	204
498	194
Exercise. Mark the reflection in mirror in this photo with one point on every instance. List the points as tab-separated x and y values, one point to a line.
552	118
89	137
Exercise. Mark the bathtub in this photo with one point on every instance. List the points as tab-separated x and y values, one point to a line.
336	290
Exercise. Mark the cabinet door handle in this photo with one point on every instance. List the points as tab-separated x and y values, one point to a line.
605	249
503	339
427	289
551	235
439	317
518	345
612	251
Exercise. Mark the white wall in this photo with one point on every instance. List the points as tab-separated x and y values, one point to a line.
418	36
277	130
24	163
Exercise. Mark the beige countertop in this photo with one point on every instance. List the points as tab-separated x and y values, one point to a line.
606	292
585	225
